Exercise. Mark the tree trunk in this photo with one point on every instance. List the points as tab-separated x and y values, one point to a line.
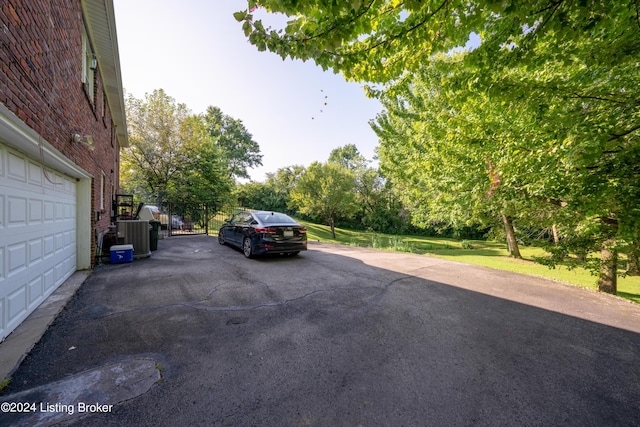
556	237
608	280
332	223
512	242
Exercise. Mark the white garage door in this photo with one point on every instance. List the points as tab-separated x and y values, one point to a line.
37	235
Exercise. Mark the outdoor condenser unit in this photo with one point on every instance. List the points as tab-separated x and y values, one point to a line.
136	233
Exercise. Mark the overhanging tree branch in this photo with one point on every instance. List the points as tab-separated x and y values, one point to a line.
623	134
340	23
407	31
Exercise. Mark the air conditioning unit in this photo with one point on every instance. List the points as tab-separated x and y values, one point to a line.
136	233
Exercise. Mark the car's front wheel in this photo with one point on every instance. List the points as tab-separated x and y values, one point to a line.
246	247
221	237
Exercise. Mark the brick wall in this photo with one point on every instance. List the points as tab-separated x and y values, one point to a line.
41	82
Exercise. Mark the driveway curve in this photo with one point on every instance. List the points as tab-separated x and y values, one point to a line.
344	336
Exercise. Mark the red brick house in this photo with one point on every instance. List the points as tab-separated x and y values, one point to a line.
62	123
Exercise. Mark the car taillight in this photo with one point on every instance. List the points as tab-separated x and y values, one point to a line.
302	230
267	230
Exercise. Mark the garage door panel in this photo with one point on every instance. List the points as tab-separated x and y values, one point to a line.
62	242
16	167
17	211
16	305
35	231
36	250
35	174
36	293
27	249
49	281
36	281
35	210
49	211
36	207
64	269
48	246
37	178
16	258
37	235
69	239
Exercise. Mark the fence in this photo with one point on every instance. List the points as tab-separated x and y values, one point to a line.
223	215
181	220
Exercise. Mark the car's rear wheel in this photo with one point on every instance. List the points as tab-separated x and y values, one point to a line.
221	237
246	247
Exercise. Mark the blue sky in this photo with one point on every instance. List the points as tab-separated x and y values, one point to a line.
197	53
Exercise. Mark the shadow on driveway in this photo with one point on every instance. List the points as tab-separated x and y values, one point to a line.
340	336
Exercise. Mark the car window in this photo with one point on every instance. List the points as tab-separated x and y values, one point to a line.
239	217
273	218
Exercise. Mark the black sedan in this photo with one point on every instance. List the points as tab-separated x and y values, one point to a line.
264	232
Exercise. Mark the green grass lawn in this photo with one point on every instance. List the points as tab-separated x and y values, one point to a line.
484	253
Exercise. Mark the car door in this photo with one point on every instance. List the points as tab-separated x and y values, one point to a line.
241	227
230	232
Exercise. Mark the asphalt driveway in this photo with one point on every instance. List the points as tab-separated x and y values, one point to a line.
199	335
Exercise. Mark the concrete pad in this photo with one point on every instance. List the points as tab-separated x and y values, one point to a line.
90	392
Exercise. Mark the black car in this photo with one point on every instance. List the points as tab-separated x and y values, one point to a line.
264	232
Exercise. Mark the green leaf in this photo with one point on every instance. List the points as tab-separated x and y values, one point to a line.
247	28
239	16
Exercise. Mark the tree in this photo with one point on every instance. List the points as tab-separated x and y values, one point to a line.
325	191
285	179
451	151
547	156
349	157
257	195
273	194
156	141
570	65
282	182
172	157
383	40
237	144
203	175
379	209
